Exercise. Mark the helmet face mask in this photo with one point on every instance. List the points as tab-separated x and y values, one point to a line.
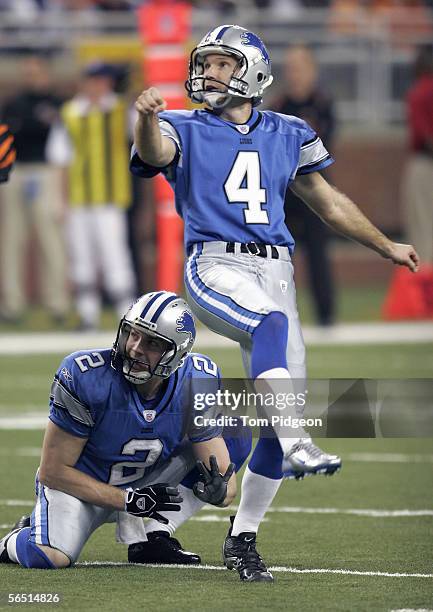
162	316
250	78
135	368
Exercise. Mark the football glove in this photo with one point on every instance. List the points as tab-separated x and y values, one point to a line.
212	486
7	152
149	501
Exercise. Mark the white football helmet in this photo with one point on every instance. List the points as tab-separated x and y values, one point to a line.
252	75
162	315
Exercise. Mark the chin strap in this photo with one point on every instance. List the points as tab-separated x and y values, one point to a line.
211	98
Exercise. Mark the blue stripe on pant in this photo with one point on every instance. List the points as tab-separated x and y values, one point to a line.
197	285
40	514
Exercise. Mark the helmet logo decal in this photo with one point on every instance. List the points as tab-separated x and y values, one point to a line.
185	324
251	40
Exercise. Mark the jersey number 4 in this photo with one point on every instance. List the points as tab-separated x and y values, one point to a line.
243	185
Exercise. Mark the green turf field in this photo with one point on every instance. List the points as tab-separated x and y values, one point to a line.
385	475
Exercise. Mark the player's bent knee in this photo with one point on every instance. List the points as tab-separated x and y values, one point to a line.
56	557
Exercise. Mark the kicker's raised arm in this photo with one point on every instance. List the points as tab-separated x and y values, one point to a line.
152	147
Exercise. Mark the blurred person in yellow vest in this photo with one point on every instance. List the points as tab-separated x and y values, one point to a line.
7	152
92	145
30	203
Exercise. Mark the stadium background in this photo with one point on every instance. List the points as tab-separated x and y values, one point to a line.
375	518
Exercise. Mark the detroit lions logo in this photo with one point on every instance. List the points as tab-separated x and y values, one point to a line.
185	324
251	40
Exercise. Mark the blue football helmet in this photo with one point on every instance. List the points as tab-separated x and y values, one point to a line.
252	75
161	315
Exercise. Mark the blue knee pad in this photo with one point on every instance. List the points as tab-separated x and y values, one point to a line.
272	333
267	456
29	555
239	442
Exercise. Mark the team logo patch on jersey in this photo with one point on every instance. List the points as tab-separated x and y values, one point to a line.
149	415
251	40
66	374
185	324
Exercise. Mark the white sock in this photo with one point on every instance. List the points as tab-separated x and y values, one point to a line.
276	382
256	497
12	547
190	506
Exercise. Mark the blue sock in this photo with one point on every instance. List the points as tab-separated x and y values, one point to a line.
29	555
270	344
267	458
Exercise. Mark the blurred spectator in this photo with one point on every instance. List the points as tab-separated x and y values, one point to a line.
113	5
303	98
92	144
7	152
418	180
32	199
403	18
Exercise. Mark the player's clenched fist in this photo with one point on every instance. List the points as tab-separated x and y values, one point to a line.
150	101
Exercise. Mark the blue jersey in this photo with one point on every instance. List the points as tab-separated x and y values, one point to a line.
127	435
230	180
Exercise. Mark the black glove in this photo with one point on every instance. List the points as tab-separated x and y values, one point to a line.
212	486
149	501
7	152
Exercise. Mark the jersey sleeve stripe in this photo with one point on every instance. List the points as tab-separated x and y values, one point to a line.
317	161
324	163
168	130
62	398
309	143
313	154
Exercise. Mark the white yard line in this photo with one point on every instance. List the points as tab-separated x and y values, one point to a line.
367	512
354	333
24	422
283	569
388	458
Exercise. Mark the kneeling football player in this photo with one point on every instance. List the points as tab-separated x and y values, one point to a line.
120	428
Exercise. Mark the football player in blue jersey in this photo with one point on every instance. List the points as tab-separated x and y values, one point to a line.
120	427
230	165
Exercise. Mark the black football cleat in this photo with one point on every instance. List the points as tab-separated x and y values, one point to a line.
239	553
24	521
161	548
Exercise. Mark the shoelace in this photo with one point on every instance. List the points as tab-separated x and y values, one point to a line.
309	447
248	557
251	560
174	542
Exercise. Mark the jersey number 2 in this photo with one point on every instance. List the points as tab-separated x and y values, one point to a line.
246	171
136	468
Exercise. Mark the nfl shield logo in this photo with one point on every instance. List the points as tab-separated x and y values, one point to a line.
149	415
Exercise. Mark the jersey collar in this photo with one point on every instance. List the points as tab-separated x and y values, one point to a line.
242	128
160	402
